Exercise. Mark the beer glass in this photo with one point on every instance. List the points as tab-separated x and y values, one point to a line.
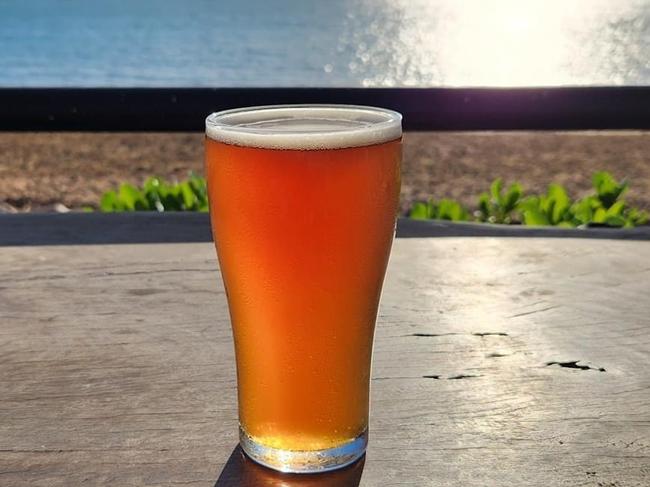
303	202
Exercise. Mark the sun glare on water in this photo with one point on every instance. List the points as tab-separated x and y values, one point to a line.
496	43
506	43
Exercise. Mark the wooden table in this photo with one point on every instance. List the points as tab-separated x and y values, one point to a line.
498	361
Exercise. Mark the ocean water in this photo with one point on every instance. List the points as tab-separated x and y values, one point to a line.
324	42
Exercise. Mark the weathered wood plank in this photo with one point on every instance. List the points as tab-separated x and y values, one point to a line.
116	367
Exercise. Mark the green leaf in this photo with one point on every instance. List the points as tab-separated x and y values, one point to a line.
204	208
637	217
171	198
607	188
152	185
615	221
419	211
634	217
566	224
548	205
512	197
199	187
187	195
560	203
529	203
495	190
533	216
616	209
583	210
460	213
599	216
109	202
445	209
129	196
160	195
451	210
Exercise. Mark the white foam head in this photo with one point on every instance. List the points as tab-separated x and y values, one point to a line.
304	127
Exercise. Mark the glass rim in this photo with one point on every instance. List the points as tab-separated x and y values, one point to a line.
324	126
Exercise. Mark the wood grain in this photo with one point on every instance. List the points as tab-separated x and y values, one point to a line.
117	368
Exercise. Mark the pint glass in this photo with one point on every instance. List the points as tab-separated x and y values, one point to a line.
303	201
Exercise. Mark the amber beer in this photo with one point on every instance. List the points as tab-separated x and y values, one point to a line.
303	201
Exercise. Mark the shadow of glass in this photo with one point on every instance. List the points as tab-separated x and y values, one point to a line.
240	471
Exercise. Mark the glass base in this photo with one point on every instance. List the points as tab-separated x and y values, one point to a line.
304	461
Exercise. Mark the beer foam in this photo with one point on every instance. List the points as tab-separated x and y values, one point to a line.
304	127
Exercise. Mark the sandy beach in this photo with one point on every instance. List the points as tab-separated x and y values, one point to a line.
42	171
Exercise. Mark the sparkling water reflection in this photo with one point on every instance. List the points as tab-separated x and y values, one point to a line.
498	43
318	43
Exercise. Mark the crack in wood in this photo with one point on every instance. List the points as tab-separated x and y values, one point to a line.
145	272
573	364
534	311
452	377
431	334
496	355
76	450
476	334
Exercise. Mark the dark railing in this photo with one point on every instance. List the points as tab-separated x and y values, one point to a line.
184	109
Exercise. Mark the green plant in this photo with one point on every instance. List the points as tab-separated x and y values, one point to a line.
606	207
158	195
553	208
499	206
445	209
608	190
